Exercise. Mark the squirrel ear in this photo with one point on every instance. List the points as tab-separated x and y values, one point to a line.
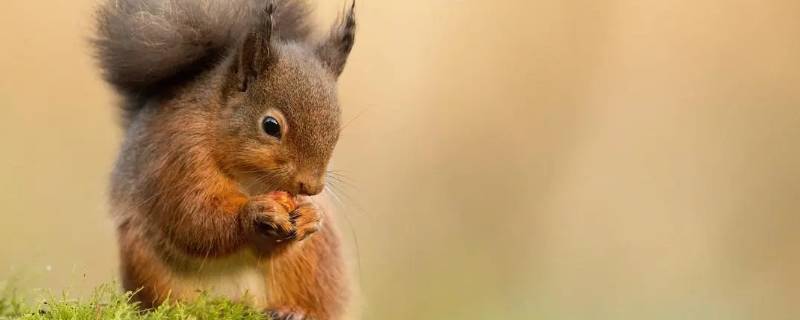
255	53
334	51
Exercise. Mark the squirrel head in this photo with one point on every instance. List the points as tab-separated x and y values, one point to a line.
279	121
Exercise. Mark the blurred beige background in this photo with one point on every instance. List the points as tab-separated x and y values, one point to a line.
549	159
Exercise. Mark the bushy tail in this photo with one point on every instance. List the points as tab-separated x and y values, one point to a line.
142	44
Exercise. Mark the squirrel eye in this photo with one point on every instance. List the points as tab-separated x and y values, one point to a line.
271	127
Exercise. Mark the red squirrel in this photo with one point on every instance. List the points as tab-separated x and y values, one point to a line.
231	116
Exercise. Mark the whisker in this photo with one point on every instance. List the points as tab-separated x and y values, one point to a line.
334	194
337	176
360	113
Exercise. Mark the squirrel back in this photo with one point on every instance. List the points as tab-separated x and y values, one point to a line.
144	46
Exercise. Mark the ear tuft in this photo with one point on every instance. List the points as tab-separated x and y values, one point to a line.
334	51
255	53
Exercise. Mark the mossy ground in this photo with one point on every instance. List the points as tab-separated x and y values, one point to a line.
108	302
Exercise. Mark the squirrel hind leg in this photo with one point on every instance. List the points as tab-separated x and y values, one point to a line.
286	314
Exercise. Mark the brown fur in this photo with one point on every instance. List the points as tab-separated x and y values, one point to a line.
191	188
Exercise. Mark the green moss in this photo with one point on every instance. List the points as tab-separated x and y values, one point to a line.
11	304
109	303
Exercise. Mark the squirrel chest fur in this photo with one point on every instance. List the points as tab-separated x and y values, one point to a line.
231	117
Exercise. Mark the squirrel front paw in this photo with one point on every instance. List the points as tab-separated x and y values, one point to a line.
307	219
277	216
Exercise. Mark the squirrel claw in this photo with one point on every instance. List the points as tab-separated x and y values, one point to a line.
286	315
307	219
281	219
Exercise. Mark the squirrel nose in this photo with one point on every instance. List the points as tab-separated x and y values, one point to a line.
309	185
